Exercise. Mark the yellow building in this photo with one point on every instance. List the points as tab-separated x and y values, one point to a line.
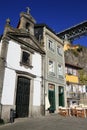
68	45
72	84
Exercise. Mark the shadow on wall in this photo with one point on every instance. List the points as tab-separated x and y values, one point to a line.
1	122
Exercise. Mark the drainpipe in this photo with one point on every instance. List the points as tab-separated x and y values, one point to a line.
43	88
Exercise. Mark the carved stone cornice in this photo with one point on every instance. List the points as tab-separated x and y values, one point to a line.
5	39
18	37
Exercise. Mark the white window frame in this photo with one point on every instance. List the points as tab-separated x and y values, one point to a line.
60	70
59	50
51	68
51	45
69	71
74	72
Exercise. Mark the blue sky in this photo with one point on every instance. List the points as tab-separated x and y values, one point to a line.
57	14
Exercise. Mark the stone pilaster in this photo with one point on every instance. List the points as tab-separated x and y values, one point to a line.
2	64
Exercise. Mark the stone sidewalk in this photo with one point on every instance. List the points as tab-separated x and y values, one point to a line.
52	122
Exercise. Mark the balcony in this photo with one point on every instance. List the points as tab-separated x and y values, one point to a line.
73	95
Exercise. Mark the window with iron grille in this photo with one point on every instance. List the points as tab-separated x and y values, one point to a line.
26	59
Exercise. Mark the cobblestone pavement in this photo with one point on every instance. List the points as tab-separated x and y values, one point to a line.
52	122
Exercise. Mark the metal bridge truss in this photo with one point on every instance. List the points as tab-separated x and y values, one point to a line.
74	32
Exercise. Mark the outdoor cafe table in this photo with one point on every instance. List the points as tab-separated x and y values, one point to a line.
80	111
85	110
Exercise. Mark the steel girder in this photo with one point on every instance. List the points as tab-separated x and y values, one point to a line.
74	32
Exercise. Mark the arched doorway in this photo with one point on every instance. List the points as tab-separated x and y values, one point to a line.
22	97
51	95
61	96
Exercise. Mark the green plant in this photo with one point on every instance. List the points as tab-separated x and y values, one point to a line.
82	77
75	52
